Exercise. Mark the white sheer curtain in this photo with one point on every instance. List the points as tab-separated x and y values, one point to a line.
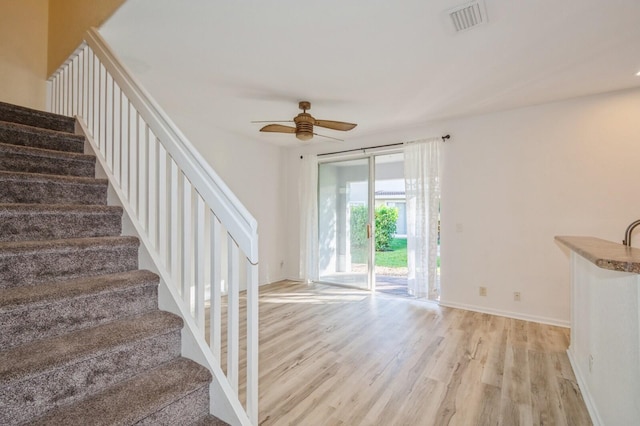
308	197
422	186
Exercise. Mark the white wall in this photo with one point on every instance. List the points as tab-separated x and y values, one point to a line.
513	180
252	171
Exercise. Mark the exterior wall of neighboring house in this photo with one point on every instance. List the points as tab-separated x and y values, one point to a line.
23	52
512	180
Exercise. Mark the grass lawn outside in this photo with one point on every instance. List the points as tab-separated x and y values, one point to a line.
396	257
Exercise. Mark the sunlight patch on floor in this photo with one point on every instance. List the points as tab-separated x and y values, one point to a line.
323	298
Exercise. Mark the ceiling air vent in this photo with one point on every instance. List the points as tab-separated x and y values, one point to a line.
467	16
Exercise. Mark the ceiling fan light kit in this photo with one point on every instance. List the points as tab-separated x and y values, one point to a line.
304	124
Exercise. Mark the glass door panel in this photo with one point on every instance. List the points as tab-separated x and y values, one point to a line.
344	228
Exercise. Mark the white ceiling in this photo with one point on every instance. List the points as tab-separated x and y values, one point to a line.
382	64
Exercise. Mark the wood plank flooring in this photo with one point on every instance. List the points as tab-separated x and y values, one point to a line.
335	356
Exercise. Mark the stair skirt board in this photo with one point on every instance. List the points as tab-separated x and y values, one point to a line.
82	340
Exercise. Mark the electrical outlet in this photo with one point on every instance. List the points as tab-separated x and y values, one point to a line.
483	291
516	296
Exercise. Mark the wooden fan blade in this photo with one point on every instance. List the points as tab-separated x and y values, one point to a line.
335	125
274	121
329	137
279	128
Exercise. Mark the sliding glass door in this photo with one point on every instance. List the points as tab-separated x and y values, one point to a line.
345	217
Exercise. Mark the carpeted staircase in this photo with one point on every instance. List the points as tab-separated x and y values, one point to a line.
82	341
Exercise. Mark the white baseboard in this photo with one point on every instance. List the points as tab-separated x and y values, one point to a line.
586	395
508	314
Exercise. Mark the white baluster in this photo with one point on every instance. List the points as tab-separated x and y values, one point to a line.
109	114
91	106
174	223
124	151
163	206
215	309
103	112
85	84
187	234
133	159
233	314
143	187
152	187
200	261
66	91
116	132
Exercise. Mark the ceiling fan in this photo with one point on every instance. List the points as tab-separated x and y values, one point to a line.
304	124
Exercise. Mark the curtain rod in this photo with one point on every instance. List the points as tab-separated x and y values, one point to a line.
444	138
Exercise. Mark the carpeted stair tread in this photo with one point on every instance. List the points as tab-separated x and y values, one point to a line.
43	177
32	117
20	134
13	298
18	247
68	368
29	262
50	309
37	160
37	188
20	222
31	359
139	400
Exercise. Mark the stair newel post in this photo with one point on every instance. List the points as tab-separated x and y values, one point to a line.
252	341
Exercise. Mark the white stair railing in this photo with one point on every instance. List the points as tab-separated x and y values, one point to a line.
195	230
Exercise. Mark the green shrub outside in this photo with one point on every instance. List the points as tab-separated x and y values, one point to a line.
358	226
386	218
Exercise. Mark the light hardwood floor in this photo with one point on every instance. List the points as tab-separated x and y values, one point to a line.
335	356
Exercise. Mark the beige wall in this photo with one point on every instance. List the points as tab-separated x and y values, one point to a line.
69	20
36	36
23	52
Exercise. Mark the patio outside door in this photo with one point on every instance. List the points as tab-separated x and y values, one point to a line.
345	218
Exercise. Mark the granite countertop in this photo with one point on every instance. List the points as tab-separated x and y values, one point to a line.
604	254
